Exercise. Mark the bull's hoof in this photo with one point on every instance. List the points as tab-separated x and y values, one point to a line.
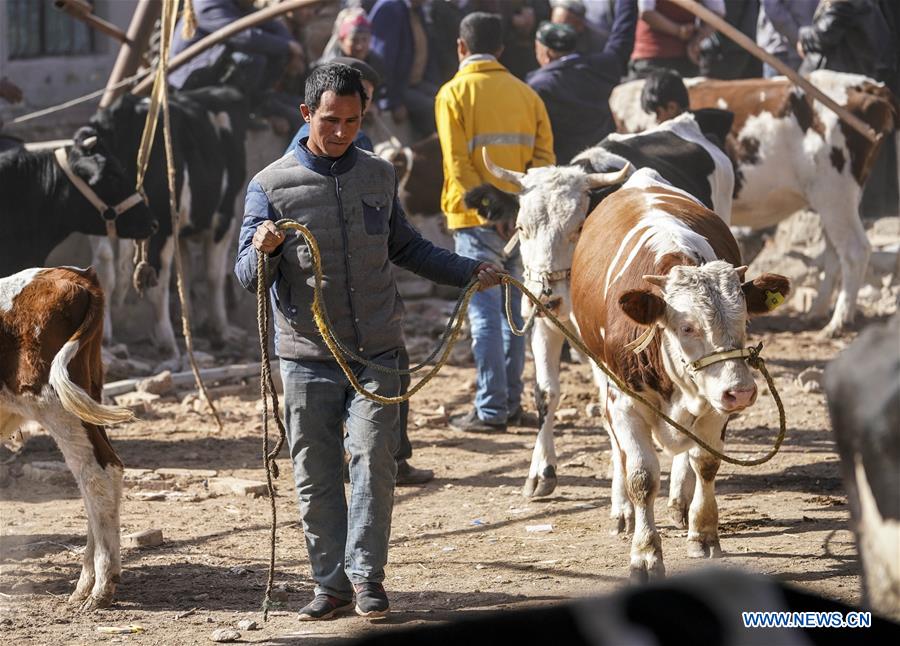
78	597
678	513
643	572
831	331
622	525
704	548
542	485
95	603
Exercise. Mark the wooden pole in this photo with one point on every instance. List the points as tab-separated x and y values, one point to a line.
82	11
246	22
741	39
139	32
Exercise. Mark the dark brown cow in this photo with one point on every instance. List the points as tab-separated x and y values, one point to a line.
652	259
420	174
51	330
792	153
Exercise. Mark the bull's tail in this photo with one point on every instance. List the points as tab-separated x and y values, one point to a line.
73	397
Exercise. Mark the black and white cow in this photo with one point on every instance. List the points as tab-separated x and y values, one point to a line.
40	206
208	130
551	209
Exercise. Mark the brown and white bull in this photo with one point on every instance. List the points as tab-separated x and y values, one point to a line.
51	329
550	211
791	153
652	257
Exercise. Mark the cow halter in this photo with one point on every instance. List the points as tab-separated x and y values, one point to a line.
109	214
751	354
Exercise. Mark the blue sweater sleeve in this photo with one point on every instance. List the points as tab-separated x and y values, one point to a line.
408	249
621	35
269	39
257	209
387	25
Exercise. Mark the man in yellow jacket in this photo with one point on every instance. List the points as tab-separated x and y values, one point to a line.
486	106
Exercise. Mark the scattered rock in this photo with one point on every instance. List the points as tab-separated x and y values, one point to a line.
160	384
140	403
225	635
137	474
197	474
810	380
593	410
146	538
226	486
247	624
52	472
566	414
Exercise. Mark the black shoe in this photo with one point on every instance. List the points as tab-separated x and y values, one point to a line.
520	418
471	423
371	600
324	606
407	474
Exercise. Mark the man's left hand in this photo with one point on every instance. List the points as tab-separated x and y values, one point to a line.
489	275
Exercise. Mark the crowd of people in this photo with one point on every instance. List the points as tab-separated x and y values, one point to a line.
528	78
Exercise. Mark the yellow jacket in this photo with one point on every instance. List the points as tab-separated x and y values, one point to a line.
485	105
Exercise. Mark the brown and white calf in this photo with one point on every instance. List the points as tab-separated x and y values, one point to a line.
51	330
651	256
792	153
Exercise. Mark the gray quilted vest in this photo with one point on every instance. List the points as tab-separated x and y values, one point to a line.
347	207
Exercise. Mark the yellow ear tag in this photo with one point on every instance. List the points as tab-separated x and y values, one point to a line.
773	299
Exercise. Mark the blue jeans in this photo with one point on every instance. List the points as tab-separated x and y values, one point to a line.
345	545
499	354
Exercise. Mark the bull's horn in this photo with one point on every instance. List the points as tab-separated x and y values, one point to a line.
659	281
511	176
395	142
599	180
89	142
741	272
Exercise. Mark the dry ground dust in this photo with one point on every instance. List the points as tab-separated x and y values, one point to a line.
459	546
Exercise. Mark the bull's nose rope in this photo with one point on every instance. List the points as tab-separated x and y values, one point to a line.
448	340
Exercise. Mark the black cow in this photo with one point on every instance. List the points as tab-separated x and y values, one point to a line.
679	157
863	388
208	130
41	206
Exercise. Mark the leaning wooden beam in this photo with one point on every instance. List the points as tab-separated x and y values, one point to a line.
139	32
81	10
226	32
182	379
744	41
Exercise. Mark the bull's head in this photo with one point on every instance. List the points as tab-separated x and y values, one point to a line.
701	311
553	203
90	160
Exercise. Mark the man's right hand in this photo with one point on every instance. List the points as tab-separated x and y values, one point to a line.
267	237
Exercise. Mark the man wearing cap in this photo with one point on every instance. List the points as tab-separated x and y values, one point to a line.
575	87
573	13
484	106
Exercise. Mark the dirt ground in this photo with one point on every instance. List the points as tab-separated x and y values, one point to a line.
460	545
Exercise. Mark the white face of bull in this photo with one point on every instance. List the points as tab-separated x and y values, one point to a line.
703	310
553	203
552	209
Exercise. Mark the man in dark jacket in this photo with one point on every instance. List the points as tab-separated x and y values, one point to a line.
347	197
844	36
251	60
576	88
400	38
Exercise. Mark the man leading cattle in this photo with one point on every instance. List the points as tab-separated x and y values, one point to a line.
347	198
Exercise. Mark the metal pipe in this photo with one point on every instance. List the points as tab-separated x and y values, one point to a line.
82	11
741	39
139	32
246	22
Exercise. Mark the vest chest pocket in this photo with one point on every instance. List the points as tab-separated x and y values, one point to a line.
376	212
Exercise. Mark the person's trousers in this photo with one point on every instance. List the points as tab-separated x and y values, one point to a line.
347	541
643	67
499	354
